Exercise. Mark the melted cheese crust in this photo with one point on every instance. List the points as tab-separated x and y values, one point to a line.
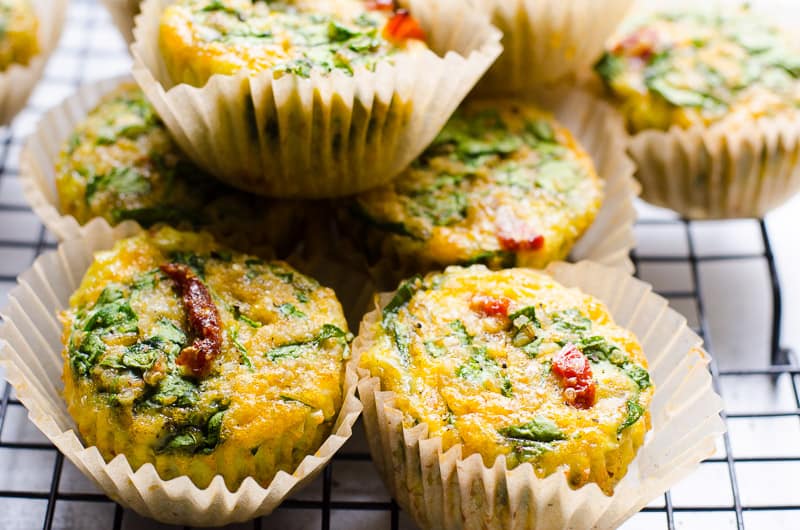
499	168
467	377
19	40
690	68
274	390
200	38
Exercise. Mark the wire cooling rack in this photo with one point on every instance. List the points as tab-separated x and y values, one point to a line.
722	276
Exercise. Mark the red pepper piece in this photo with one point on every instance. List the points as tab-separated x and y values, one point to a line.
489	305
402	26
516	244
575	374
380	5
640	44
514	235
203	319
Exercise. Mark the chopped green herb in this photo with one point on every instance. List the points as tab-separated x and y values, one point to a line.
405	292
295	400
529	313
140	356
609	66
289	310
192	260
122	180
480	369
499	258
532	349
238	315
289	351
434	349
242	350
541	130
192	439
571	321
598	349
176	391
166	330
639	375
460	332
280	272
539	429
524	325
295	350
338	32
632	415
145	281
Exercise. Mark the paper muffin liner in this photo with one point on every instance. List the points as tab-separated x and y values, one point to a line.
608	241
17	81
123	13
724	171
547	41
440	489
43	147
30	353
279	228
328	135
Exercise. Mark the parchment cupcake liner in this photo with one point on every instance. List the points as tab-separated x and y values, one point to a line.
547	41
280	225
30	353
17	81
328	135
123	13
725	171
608	241
441	489
41	151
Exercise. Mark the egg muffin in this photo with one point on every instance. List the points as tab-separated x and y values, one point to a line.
509	363
503	184
19	40
200	38
202	361
122	164
707	68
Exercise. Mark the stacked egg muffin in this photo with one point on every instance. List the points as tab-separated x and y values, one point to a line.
20	40
185	353
712	101
264	144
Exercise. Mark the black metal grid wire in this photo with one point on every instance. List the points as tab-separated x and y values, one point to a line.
90	27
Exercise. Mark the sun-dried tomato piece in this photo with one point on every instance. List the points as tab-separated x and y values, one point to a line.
575	374
491	306
203	319
516	243
514	235
402	26
380	5
640	44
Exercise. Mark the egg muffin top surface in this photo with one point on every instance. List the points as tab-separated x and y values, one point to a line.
503	184
19	27
690	68
121	164
200	38
511	363
202	361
